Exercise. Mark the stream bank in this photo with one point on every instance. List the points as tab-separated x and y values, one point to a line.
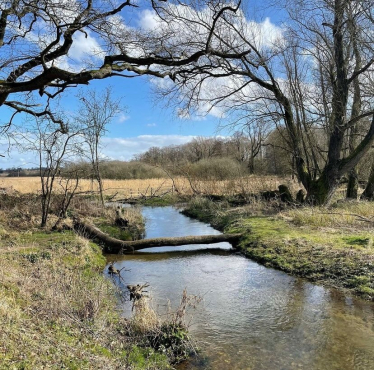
57	309
333	247
250	316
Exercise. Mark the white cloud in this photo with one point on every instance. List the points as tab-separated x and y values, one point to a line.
148	20
85	45
265	33
187	36
151	125
123	117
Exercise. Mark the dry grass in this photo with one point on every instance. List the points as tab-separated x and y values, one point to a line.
148	187
46	309
349	214
169	336
58	311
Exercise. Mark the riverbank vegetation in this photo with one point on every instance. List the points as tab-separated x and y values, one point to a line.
58	310
332	246
56	301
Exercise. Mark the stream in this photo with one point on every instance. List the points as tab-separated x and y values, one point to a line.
250	317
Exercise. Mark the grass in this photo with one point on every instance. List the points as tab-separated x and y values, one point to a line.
58	311
329	246
120	189
134	231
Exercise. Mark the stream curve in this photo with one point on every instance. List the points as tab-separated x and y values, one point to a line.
251	317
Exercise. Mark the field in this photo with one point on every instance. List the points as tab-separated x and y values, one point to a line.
156	187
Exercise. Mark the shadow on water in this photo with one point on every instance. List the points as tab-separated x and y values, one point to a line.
167	255
251	317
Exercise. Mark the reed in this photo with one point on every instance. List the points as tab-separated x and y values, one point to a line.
156	187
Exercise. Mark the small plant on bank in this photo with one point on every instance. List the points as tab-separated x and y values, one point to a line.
169	337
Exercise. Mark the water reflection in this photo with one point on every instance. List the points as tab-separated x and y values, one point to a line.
251	317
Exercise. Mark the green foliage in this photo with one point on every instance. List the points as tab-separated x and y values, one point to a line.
166	200
35	257
115	231
173	340
147	359
207	211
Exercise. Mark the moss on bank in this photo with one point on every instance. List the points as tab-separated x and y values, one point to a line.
58	311
326	246
166	200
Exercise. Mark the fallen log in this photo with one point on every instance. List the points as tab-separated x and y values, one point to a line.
113	245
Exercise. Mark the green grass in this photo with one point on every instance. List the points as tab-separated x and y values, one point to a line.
166	200
325	256
325	246
115	231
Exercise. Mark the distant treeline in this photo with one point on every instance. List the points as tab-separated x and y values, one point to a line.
115	170
205	159
256	153
19	172
202	158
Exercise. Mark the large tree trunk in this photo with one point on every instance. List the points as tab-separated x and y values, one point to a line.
322	190
113	245
369	190
352	186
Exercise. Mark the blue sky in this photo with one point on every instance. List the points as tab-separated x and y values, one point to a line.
143	122
143	115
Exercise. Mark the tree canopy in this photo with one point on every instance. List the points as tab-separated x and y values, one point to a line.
39	38
312	78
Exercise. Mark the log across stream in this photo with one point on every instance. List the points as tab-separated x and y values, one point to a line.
113	245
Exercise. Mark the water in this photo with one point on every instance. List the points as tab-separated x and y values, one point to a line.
251	317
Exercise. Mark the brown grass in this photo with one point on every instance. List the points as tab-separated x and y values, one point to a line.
148	187
44	303
57	311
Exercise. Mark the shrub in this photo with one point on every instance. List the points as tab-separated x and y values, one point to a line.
217	169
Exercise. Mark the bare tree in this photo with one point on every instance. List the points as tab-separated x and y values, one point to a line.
249	142
96	112
302	81
39	39
52	147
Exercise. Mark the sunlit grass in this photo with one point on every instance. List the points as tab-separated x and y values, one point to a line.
342	214
327	245
58	311
156	187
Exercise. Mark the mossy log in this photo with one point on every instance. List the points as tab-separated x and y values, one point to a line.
113	245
